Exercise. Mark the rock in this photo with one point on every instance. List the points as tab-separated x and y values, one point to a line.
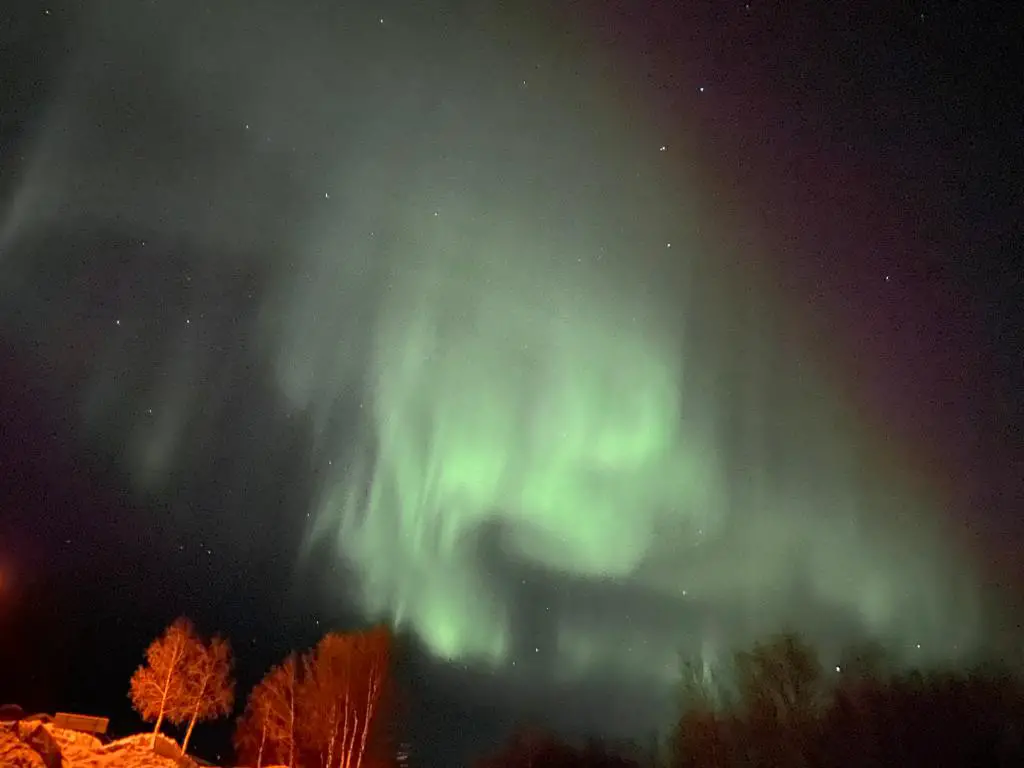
11	713
77	748
14	753
42	741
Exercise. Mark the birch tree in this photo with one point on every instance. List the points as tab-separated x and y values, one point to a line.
209	685
269	726
342	695
159	688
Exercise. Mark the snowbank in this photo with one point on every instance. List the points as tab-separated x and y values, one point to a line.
41	745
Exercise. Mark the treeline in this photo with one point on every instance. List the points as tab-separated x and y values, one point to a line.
774	706
331	707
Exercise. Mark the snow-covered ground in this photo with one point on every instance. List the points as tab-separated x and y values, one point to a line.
32	744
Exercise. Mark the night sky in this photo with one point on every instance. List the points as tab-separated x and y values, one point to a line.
566	337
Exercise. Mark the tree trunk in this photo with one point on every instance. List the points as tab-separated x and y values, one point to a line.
195	713
159	722
166	692
345	753
191	725
371	705
330	743
353	758
359	751
263	740
372	695
291	723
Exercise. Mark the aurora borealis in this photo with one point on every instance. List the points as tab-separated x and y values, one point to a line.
526	407
563	385
461	313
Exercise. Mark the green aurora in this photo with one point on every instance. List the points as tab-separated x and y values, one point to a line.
589	432
609	417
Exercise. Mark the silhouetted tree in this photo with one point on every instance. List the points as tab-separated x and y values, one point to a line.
700	687
537	749
935	719
160	687
866	662
704	739
787	716
780	680
209	684
699	737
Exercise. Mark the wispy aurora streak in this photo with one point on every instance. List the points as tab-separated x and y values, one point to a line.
573	439
509	391
532	400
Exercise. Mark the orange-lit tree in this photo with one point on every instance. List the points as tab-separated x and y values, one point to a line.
209	685
343	696
160	687
268	727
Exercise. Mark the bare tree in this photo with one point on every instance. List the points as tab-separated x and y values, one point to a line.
701	686
159	688
345	680
250	737
269	723
781	680
782	698
209	684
